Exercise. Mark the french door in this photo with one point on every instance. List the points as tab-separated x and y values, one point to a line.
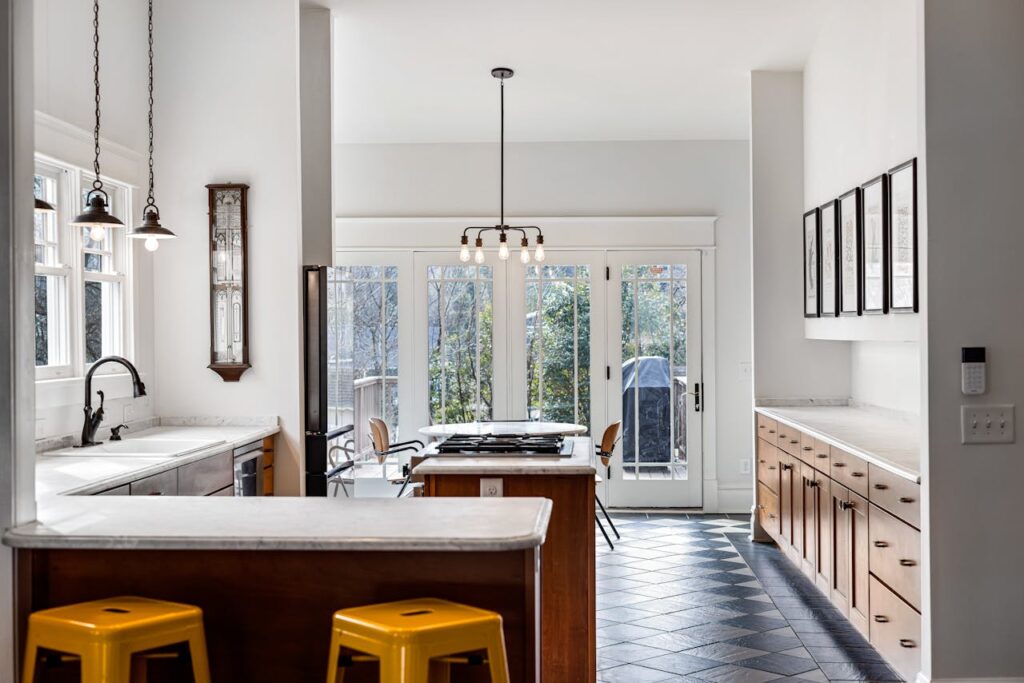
654	378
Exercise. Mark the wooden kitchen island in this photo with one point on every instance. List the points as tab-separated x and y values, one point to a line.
568	601
268	573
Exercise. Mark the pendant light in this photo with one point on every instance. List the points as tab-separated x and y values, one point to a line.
502	73
96	217
150	228
43	206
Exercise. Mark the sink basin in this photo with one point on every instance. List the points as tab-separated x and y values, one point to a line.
140	447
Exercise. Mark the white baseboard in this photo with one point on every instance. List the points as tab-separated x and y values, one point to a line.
735	501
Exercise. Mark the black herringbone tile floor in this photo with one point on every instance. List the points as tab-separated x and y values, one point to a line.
690	598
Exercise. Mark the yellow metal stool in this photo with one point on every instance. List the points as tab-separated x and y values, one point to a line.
405	636
105	634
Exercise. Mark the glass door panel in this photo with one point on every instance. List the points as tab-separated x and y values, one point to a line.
654	349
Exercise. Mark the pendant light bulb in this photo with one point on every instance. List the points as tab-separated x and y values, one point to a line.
538	253
503	247
152	244
464	250
97	233
478	255
524	252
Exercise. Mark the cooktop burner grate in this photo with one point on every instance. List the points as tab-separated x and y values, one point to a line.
505	444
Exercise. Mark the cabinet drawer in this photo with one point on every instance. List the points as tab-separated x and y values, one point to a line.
895	630
807	448
203	477
116	491
767	429
789	439
822	457
850	471
896	555
226	491
768	510
899	496
768	465
163	484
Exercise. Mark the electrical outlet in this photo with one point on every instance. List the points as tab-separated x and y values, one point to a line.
745	466
986	424
129	412
490	488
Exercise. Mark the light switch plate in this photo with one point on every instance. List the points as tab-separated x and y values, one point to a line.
745	466
986	424
129	412
490	488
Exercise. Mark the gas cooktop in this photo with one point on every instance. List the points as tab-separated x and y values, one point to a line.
505	445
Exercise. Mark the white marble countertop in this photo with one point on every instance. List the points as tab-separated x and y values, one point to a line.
215	523
87	474
884	438
580	462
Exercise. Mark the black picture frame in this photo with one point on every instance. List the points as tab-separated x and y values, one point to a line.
812	265
828	250
904	296
850	299
874	245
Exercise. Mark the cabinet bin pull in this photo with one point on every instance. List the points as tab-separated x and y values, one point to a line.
881	544
906	642
881	487
839	464
857	474
808	448
906	500
822	455
908	563
881	619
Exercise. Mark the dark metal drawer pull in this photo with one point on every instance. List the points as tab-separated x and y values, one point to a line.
839	464
843	505
857	474
771	431
907	643
908	563
794	441
808	448
906	500
822	455
812	483
880	487
881	544
881	619
771	467
787	467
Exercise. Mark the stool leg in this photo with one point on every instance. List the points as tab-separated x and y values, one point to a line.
200	659
603	532
332	659
28	672
496	657
104	664
608	517
404	665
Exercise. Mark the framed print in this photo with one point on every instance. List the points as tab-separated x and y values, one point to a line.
874	209
828	248
812	266
903	237
849	253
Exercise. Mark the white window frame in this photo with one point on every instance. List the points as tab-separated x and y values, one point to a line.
72	181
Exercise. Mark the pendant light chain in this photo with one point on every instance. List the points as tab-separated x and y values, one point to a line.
97	184
502	154
151	200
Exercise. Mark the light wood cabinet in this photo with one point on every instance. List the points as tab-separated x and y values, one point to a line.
852	528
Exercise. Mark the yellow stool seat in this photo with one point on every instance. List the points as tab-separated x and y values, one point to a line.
405	636
106	633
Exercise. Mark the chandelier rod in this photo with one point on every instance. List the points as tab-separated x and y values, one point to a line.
502	154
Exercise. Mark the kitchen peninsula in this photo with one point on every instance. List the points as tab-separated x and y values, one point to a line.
568	600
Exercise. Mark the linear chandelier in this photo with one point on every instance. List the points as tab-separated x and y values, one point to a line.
502	73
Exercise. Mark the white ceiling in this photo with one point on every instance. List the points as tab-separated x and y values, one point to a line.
419	70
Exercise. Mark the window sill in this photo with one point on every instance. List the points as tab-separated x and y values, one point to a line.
70	390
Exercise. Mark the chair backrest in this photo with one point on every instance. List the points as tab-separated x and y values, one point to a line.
608	442
379	435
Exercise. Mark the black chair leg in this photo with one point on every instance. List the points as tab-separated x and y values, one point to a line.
603	532
608	517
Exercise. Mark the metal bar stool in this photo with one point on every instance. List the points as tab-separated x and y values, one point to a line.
604	451
406	636
106	633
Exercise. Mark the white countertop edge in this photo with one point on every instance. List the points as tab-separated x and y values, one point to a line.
37	535
870	457
169	463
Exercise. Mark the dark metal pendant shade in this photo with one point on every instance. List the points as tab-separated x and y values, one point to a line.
96	214
43	206
150	227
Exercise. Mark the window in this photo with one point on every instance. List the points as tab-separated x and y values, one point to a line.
81	302
558	343
460	343
362	313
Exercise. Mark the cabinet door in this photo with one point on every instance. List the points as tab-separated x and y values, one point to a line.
823	526
860	549
839	577
163	484
809	516
786	497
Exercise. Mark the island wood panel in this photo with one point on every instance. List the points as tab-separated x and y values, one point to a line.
568	599
267	614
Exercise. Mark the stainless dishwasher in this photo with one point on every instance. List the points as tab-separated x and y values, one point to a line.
249	469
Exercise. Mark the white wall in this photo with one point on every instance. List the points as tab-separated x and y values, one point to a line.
228	88
974	241
589	179
62	53
786	365
861	119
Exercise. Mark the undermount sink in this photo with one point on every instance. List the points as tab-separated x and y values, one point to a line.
140	447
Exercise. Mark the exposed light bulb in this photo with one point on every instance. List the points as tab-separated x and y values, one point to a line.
152	244
478	255
464	252
503	248
97	233
524	255
538	253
